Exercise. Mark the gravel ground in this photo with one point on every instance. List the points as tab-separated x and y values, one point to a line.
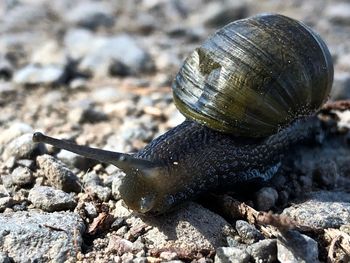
99	73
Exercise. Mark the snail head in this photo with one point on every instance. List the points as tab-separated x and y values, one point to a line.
141	188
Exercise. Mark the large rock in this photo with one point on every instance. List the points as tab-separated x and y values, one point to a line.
189	228
321	209
40	237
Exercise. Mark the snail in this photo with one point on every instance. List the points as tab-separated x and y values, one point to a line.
249	93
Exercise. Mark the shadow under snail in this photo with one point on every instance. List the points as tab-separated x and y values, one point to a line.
248	93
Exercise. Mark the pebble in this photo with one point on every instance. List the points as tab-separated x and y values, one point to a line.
116	183
321	209
82	115
266	198
22	176
91	15
105	52
248	232
118	223
23	147
15	130
264	251
338	13
50	199
57	174
41	236
231	255
103	193
293	247
38	75
90	209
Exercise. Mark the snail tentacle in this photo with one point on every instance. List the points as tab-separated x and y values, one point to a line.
123	161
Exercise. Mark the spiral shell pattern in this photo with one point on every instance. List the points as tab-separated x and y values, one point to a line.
255	76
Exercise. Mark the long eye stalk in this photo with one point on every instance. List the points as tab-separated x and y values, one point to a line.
122	160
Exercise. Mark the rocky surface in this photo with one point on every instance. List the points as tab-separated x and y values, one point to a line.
37	236
99	73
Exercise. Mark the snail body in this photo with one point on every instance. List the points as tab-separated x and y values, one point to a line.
245	93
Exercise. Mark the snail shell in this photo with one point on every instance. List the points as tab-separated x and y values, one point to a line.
254	76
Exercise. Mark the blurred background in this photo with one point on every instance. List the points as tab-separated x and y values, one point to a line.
100	72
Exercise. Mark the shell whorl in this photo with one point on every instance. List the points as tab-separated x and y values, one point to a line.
254	76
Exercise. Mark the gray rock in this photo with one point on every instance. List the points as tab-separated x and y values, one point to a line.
41	237
264	251
266	198
190	228
117	181
234	242
248	232
321	209
338	13
231	255
15	130
105	52
22	176
341	86
91	14
23	148
36	75
50	199
58	174
101	192
90	210
293	247
82	115
26	163
91	178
